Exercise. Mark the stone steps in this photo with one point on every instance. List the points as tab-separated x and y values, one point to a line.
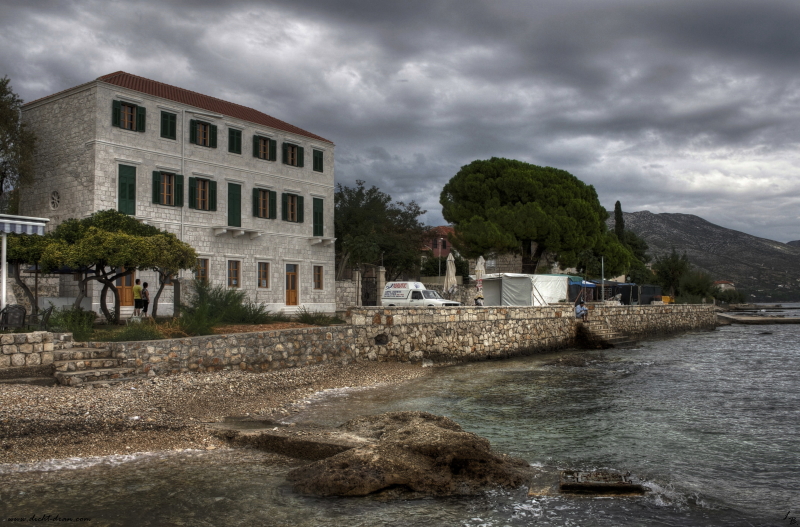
85	364
30	381
603	333
78	378
109	382
81	354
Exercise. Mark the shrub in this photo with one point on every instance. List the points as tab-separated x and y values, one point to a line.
199	317
74	320
316	318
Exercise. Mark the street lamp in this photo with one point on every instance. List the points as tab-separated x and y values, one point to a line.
439	244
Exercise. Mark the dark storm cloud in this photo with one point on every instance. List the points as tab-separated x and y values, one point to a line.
669	106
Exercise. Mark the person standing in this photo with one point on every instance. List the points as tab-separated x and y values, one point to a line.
145	299
137	298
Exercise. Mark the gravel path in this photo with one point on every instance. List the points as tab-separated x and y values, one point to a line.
162	413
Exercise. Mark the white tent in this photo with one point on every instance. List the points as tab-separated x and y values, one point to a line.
10	224
511	289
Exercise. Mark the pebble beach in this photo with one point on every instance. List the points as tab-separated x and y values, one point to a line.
167	412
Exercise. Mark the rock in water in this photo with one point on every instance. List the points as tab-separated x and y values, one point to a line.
422	452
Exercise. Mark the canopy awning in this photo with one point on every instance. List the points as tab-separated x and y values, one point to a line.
10	224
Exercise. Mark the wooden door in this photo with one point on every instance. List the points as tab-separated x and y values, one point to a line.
291	284
125	288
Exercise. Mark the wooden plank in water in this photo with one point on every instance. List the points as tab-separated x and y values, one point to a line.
577	482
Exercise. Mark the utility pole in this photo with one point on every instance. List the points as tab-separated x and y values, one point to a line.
439	245
603	278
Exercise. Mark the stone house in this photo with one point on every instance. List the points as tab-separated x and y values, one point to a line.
251	193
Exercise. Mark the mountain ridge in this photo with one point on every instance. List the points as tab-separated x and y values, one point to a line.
768	269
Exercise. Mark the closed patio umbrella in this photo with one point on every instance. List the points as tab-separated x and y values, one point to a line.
450	276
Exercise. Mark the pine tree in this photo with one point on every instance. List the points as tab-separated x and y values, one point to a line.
619	222
17	145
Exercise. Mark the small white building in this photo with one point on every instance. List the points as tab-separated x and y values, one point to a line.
251	193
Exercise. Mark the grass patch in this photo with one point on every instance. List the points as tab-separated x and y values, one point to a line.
144	330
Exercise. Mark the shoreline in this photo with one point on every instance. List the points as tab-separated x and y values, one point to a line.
165	413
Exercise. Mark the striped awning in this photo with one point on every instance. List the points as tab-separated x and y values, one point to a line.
22	224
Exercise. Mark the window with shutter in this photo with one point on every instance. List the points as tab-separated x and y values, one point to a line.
204	134
317	217
318	271
234	205
202	193
128	116
168	189
127	190
234	141
317	160
234	273
292	155
169	125
263	203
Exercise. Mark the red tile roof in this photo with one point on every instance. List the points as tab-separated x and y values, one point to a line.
198	100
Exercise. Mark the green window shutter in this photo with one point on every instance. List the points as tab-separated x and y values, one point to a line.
285	207
178	190
317	210
169	125
317	160
273	208
256	145
213	142
193	132
234	141
300	156
212	195
273	147
300	209
165	125
256	196
156	187
116	113
140	119
285	153
234	205
127	190
192	193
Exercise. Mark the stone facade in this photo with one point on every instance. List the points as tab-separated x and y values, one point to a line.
400	334
79	162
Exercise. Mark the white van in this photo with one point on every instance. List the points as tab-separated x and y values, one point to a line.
409	294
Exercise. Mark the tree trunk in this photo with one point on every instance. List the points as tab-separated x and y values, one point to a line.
162	281
342	263
25	289
176	302
531	259
109	284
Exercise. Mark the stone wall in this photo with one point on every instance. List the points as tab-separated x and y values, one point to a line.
30	350
402	334
347	294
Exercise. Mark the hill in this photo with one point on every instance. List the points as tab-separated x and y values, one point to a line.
768	269
795	243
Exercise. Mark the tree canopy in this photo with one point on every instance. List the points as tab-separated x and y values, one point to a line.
503	205
103	247
17	145
371	229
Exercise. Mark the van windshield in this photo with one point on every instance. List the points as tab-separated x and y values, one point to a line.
431	294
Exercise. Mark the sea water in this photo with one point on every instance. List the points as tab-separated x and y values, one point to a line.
709	421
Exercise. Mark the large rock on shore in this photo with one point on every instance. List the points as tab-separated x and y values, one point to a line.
421	452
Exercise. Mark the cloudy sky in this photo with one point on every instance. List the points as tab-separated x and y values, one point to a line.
667	106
